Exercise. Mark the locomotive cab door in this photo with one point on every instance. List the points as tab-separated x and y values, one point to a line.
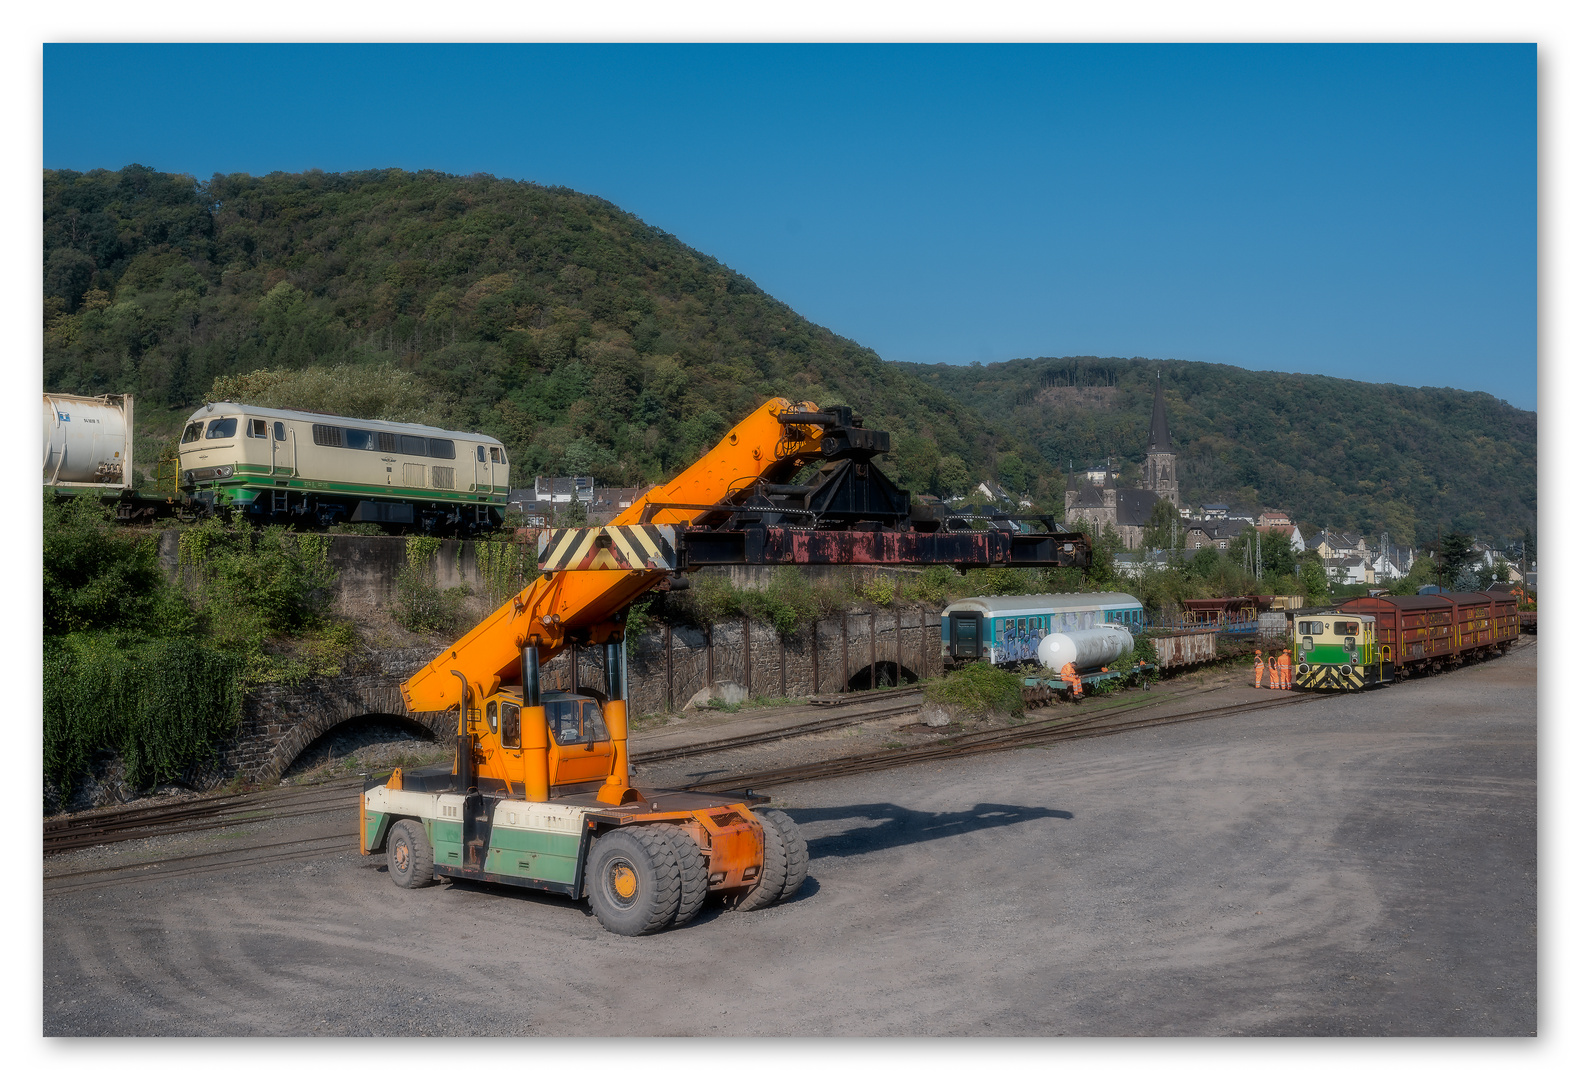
282	450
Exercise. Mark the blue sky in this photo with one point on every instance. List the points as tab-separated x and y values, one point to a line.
1367	212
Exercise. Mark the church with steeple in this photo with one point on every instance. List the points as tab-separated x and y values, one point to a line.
1095	497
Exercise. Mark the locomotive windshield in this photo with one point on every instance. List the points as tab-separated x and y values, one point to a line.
193	433
223	428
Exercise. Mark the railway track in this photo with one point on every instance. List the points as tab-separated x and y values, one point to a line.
1038	733
891	704
195	815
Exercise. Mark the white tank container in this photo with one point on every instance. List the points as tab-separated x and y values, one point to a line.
1087	648
87	440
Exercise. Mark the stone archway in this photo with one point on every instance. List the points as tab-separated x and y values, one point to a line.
885	673
284	721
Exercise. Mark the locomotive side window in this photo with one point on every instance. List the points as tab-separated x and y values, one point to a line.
1347	628
388	443
414	445
360	440
327	435
257	429
1310	628
479	453
223	428
193	433
495	456
279	431
441	448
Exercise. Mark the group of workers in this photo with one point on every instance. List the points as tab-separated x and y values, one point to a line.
1279	671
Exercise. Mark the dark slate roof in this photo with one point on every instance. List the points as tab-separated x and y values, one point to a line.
1158	440
1134	507
1089	495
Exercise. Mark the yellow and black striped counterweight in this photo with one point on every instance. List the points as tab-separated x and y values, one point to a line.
608	547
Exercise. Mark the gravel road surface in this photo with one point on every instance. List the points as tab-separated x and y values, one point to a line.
1357	865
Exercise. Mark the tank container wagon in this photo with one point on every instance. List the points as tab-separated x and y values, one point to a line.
88	443
275	466
540	793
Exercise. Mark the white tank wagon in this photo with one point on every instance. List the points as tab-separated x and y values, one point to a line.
281	465
1086	649
88	442
1008	629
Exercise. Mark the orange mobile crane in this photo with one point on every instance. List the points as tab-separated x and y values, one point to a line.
540	792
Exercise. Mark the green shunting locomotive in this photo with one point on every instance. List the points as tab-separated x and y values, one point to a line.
1338	651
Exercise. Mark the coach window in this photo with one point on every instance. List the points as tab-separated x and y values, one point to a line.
223	428
257	429
193	433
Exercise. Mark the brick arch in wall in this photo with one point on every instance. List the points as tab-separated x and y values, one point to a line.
322	709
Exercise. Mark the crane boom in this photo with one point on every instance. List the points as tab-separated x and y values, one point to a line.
581	606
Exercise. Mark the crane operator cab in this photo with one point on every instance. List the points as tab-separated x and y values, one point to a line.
580	750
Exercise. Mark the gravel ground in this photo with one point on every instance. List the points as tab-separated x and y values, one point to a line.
1360	865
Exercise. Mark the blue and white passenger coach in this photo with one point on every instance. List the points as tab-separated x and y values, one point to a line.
1006	629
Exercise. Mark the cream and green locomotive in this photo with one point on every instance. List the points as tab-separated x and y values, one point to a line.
1338	651
278	466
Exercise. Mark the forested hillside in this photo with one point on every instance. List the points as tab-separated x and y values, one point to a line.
1333	452
591	342
586	340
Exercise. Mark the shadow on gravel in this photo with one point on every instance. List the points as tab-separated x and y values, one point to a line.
891	826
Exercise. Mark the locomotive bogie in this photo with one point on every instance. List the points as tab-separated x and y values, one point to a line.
278	465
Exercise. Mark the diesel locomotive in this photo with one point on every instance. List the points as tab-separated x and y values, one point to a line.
279	465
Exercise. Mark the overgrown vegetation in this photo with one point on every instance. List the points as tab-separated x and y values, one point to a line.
153	672
977	690
162	706
421	606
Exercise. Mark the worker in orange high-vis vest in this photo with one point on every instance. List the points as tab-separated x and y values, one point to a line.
1072	680
1258	682
1285	682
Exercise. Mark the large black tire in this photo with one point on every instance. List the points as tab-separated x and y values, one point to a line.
410	855
633	881
796	857
770	884
692	866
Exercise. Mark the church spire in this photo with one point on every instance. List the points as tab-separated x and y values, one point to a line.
1158	441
